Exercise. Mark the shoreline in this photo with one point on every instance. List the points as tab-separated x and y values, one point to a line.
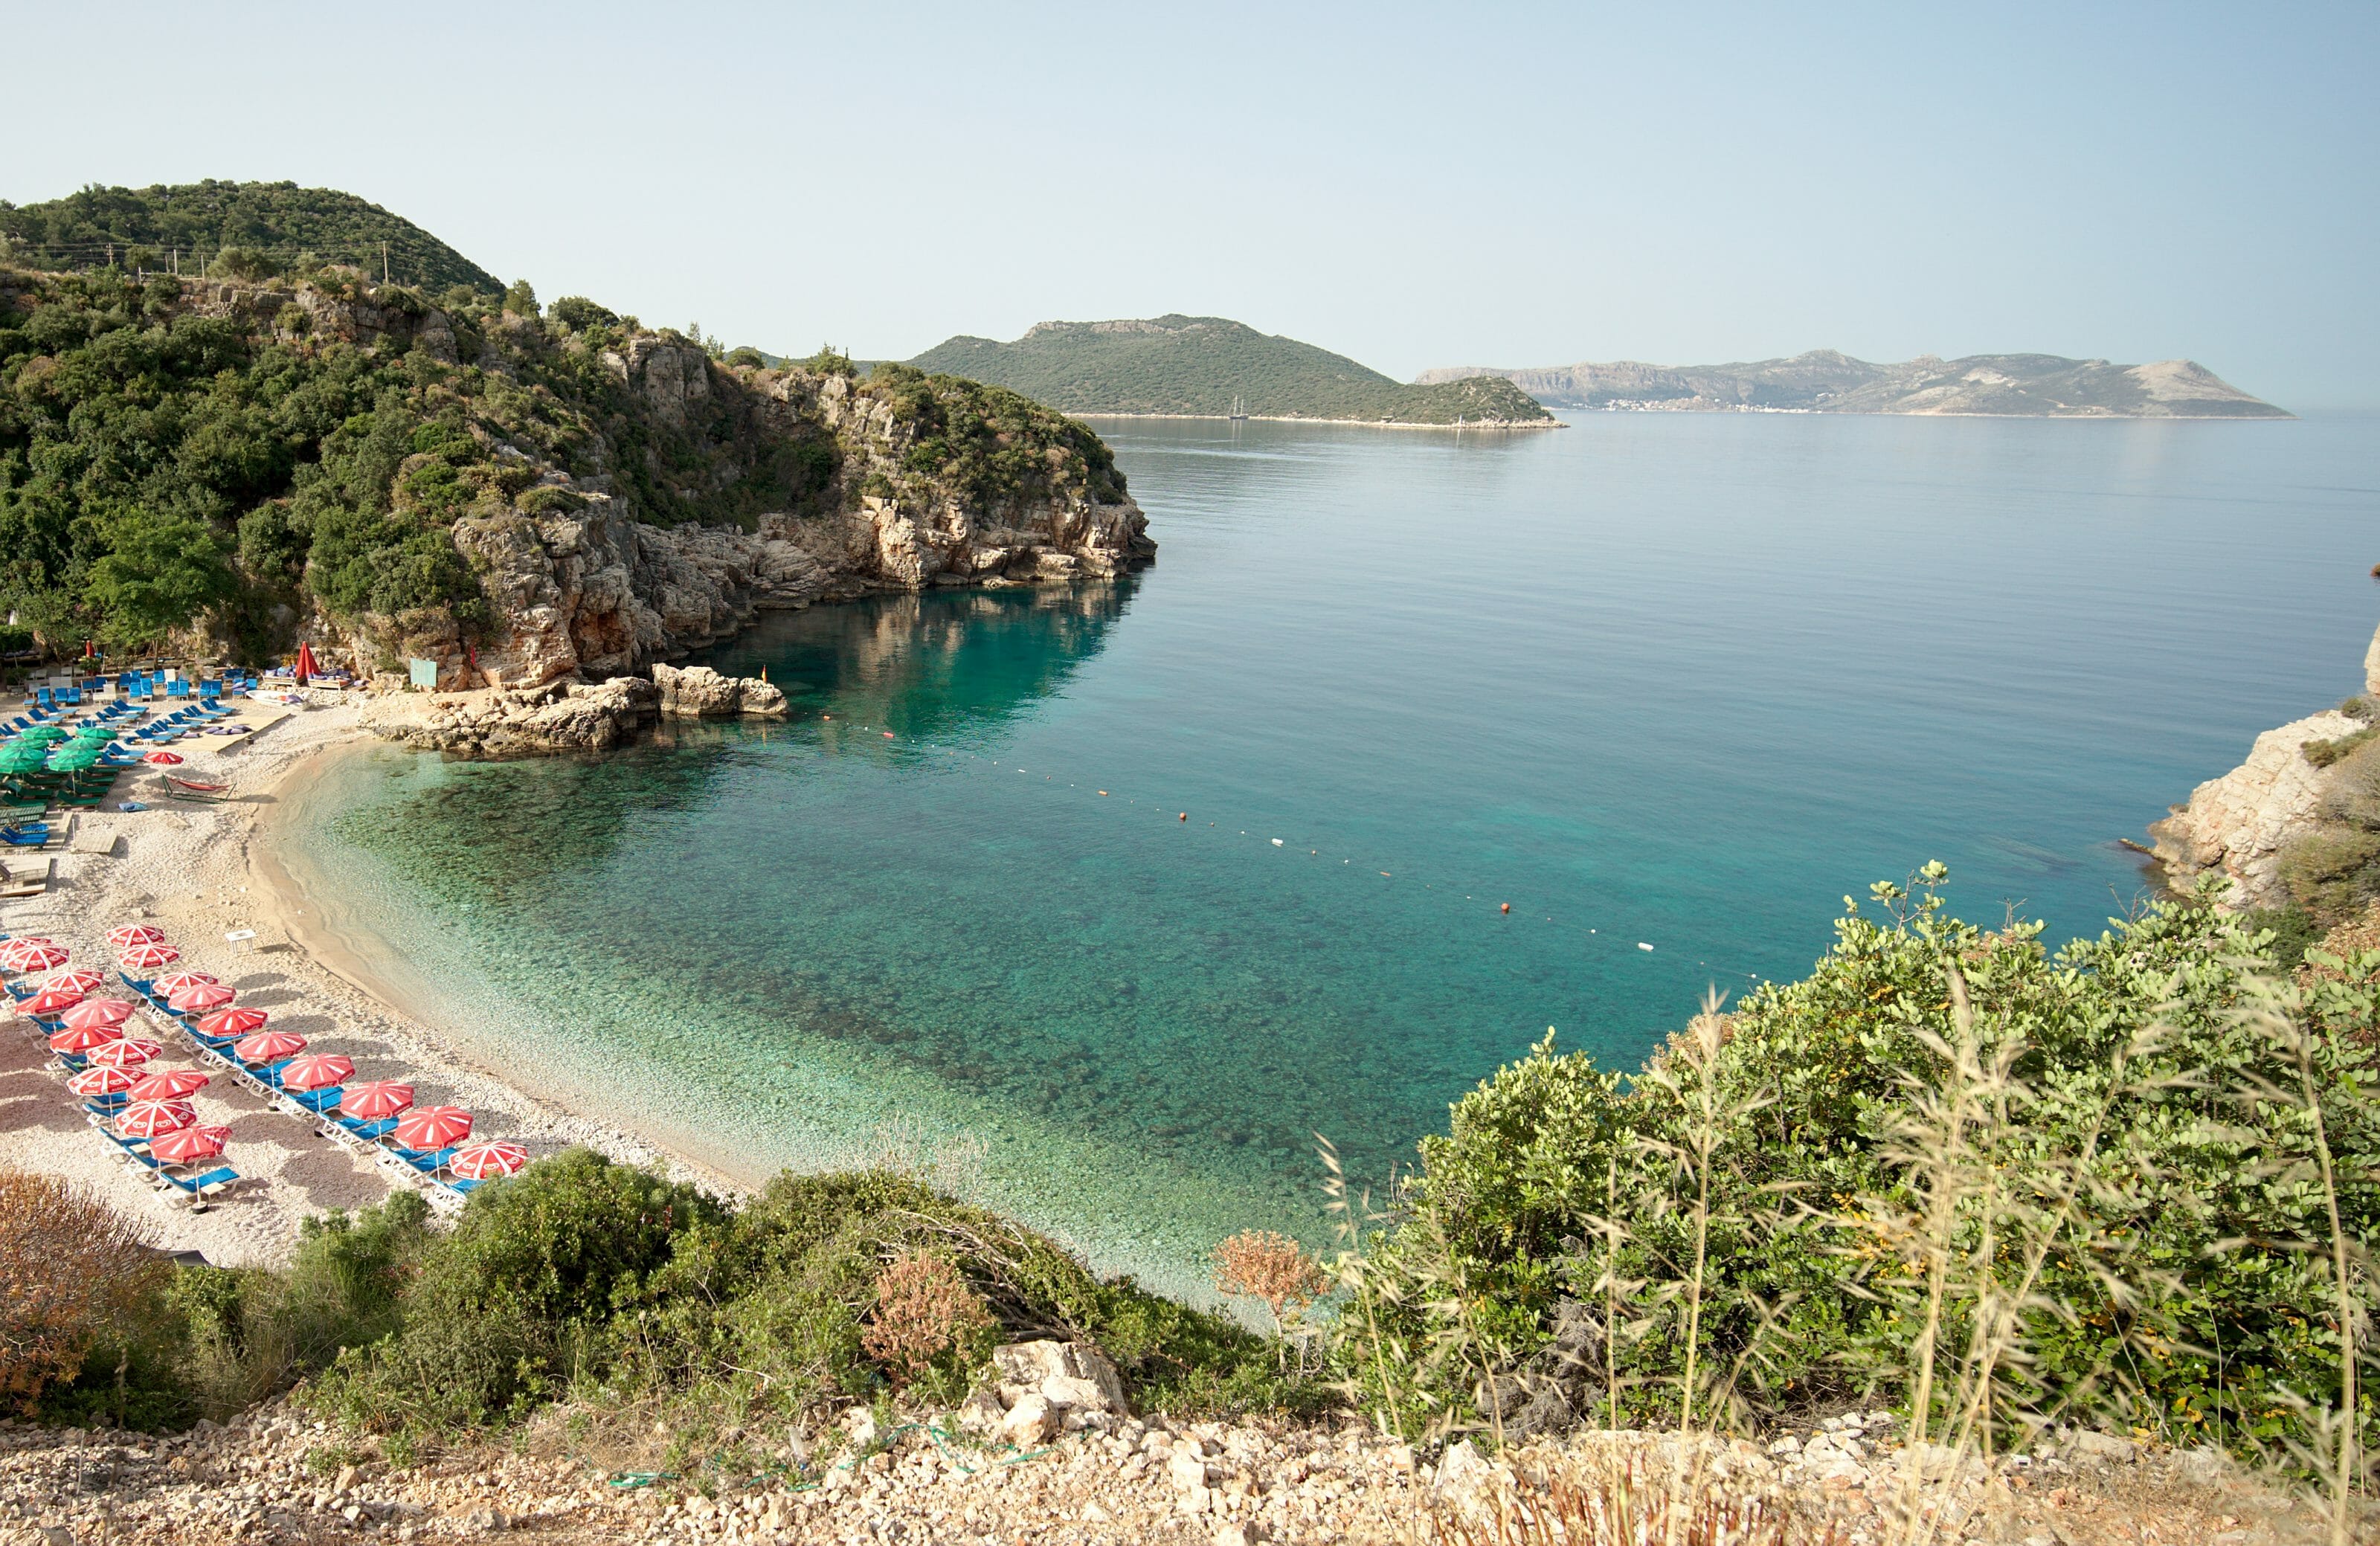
200	872
1358	423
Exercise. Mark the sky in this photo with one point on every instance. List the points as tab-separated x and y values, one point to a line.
1410	186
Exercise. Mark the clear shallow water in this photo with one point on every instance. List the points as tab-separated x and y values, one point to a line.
1679	681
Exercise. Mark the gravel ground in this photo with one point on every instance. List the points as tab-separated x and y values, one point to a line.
277	1476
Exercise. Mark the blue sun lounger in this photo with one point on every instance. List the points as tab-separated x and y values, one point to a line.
196	1187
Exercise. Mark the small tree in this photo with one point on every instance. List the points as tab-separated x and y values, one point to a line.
71	1268
520	299
1261	1265
924	1308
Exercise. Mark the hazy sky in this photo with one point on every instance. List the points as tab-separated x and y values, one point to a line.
1410	186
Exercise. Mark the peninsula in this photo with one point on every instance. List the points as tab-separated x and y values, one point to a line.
1823	381
1213	367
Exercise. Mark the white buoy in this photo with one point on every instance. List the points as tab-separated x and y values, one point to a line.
1642	946
1276	842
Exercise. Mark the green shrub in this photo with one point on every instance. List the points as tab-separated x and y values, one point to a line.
2097	1147
2323	754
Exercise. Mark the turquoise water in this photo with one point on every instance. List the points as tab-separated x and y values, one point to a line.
1670	681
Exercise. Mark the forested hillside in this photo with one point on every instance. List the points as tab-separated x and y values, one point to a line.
1202	365
247	230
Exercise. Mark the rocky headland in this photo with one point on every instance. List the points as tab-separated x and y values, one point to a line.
2256	825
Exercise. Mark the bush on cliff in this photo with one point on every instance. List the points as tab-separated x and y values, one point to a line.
1950	1168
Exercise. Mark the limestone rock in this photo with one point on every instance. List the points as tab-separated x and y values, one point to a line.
1031	1421
1066	1374
2237	825
699	692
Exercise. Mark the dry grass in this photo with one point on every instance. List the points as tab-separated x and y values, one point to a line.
1602	1498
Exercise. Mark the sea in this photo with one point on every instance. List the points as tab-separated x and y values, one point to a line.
1109	905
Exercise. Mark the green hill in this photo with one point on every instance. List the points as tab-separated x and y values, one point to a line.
285	224
1198	365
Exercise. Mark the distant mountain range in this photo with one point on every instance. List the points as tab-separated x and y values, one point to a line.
1199	367
2043	386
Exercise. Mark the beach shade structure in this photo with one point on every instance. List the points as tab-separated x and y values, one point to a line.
306	668
429	1128
186	1144
72	759
174	1084
103	1013
374	1099
180	980
148	958
83	1038
316	1070
155	1118
17	757
32	955
102	1080
481	1162
126	936
235	1021
126	1052
199	997
51	1002
269	1046
164	759
79	979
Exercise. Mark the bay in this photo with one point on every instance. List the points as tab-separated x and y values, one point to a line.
1153	882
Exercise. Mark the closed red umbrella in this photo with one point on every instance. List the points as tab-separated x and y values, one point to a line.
306	669
232	1023
155	1118
374	1099
80	978
432	1127
164	759
129	935
481	1161
51	1002
102	1081
181	980
190	1143
32	955
174	1084
268	1046
199	997
108	1013
128	1052
82	1038
148	958
317	1070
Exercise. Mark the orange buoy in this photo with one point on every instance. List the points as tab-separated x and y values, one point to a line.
888	735
1186	816
1508	907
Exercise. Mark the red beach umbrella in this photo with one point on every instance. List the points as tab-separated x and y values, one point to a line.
306	670
267	1047
155	1118
82	979
481	1160
102	1081
148	958
315	1070
180	980
51	1001
129	935
432	1127
374	1099
32	955
128	1052
82	1038
190	1143
164	759
174	1084
109	1013
232	1023
199	997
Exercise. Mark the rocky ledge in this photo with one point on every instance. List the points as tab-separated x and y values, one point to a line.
565	716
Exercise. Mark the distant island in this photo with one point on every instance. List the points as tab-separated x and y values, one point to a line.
1823	381
1213	367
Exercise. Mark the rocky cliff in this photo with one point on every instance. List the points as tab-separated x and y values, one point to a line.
2245	825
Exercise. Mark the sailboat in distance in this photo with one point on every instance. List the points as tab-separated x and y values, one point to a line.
1237	411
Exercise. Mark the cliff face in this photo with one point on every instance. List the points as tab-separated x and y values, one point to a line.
576	584
2241	824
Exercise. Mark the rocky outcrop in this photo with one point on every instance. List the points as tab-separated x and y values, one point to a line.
2237	825
699	692
557	717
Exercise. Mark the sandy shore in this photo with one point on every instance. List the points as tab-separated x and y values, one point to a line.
197	872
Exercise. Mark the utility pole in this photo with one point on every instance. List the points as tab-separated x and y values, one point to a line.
383	262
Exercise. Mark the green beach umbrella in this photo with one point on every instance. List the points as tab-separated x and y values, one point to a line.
42	735
72	761
20	759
